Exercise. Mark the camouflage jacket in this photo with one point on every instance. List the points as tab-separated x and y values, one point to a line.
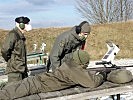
64	45
14	51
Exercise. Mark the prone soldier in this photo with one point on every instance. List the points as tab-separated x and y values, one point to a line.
70	73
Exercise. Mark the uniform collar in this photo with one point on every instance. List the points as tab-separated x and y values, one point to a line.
19	32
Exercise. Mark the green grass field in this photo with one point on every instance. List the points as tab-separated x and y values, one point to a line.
119	33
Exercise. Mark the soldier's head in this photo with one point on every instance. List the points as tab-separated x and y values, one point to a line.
83	29
81	57
23	23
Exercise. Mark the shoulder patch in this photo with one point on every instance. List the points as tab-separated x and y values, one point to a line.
62	43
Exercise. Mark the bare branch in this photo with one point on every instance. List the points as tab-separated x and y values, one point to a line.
104	11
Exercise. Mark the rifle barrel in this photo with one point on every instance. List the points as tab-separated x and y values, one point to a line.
108	68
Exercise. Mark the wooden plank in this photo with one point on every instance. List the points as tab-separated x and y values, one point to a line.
80	93
96	94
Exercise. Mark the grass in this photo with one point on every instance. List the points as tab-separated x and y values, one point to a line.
119	33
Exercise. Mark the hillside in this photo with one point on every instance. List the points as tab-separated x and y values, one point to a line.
119	33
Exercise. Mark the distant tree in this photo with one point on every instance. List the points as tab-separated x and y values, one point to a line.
104	11
125	8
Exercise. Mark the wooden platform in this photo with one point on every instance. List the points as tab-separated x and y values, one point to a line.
80	93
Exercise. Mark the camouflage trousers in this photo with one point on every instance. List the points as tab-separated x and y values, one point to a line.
19	89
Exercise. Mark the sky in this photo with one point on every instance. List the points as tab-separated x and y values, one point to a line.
42	13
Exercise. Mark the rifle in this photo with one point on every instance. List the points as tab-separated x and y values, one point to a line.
108	59
107	69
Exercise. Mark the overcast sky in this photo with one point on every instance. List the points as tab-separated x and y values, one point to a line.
43	13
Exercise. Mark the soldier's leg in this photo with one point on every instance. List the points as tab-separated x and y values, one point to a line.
21	88
3	95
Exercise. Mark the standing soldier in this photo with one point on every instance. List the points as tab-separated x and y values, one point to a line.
14	50
66	43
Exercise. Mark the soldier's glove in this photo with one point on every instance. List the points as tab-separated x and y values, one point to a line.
82	38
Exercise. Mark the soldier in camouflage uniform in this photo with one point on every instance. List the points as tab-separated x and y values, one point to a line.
70	73
14	50
66	43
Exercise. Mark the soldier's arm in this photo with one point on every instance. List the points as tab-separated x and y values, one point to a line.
8	46
86	79
56	53
91	80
